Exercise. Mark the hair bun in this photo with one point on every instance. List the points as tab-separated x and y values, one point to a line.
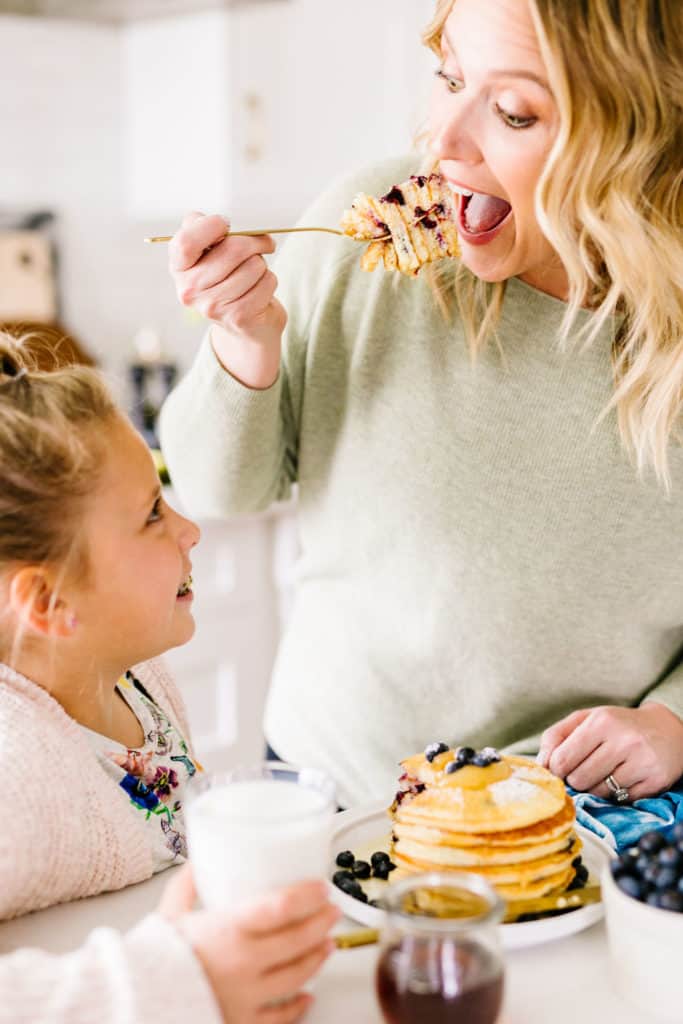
13	363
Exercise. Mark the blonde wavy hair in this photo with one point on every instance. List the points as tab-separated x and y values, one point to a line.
610	201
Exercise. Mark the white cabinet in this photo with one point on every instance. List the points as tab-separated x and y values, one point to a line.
251	111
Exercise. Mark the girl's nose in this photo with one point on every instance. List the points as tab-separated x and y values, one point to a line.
189	533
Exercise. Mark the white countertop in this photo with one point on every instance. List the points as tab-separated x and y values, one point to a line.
561	982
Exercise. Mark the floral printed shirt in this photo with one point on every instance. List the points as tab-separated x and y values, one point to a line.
154	775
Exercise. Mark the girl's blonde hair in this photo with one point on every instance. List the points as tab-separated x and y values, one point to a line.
610	200
49	456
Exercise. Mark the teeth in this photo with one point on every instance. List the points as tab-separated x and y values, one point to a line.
461	191
185	587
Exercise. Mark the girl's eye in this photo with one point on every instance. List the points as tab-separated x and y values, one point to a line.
513	121
452	84
157	512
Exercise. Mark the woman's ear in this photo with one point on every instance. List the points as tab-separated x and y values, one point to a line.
35	601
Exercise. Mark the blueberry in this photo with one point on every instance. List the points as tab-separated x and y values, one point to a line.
453	766
582	872
631	886
434	749
679	884
360	895
677	832
391	865
651	842
643	863
380	857
576	883
619	868
666	878
361	869
491	753
577	861
351	887
630	855
670	857
652	899
651	874
464	755
669	899
381	871
340	877
345	859
480	761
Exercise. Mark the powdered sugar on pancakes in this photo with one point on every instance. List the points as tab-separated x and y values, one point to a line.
512	791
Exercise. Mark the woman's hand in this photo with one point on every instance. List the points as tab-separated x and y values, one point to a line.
257	961
641	747
226	280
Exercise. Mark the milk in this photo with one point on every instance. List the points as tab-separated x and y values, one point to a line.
248	836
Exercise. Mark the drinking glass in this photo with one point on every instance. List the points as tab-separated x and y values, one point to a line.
255	828
440	959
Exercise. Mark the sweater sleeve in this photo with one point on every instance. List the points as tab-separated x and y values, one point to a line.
149	973
669	691
232	450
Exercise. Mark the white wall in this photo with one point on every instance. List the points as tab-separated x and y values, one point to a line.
354	74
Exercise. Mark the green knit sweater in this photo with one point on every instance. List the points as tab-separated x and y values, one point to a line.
478	556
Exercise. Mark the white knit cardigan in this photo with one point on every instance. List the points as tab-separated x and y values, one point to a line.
67	831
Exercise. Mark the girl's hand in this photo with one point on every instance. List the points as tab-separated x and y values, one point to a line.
257	962
641	747
226	280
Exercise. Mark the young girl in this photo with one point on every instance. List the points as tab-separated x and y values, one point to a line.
95	749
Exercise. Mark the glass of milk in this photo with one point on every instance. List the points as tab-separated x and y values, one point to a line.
256	828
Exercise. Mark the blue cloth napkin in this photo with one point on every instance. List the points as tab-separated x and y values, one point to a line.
623	825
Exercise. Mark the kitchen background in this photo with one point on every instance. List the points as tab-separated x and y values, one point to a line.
116	117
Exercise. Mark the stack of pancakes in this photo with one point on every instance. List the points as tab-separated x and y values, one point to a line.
416	222
509	820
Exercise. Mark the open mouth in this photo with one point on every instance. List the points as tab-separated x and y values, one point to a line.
480	214
185	587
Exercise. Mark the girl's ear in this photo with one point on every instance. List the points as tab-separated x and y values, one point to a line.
35	601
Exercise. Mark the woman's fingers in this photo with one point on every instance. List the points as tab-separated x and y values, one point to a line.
557	733
593	770
214	303
290	977
285	1013
221	263
197	233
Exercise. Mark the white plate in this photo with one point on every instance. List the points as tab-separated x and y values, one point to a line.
367	828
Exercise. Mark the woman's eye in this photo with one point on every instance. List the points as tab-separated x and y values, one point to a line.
452	84
157	512
512	120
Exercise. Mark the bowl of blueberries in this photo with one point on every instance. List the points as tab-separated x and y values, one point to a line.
642	892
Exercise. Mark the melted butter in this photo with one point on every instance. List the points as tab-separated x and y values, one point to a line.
471	777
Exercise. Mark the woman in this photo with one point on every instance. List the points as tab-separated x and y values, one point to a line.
491	547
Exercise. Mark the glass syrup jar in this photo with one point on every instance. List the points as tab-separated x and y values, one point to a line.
440	959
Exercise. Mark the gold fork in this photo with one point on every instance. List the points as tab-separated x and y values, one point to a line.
280	231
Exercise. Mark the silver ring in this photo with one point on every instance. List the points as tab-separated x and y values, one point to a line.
618	792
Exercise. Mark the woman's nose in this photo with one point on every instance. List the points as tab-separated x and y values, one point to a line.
452	133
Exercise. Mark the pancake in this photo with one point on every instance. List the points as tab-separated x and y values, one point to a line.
557	827
505	818
419	217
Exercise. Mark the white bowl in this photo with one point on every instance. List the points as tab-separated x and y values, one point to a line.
645	947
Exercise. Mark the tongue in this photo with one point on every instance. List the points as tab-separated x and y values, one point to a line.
485	212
